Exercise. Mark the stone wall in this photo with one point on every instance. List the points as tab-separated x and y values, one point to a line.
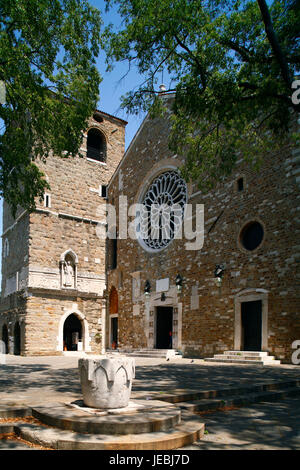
15	251
207	315
65	222
44	322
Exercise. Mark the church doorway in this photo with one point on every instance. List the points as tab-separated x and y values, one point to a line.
252	325
113	318
164	327
17	339
72	335
114	331
5	337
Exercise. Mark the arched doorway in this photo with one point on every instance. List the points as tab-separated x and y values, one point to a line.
113	318
72	335
5	337
17	339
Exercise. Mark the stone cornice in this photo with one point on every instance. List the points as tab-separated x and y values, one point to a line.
74	293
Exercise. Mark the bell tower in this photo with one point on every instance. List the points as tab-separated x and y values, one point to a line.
53	263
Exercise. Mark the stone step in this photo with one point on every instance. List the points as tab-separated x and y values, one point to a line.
194	395
238	400
181	435
244	357
159	416
7	411
247	353
243	361
156	353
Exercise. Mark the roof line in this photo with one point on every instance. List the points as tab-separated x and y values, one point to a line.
126	152
111	115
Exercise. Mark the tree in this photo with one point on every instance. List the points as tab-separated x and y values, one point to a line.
232	65
47	68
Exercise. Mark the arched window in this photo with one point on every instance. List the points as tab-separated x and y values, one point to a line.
113	301
96	145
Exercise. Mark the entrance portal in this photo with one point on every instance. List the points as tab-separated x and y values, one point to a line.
114	332
72	333
5	337
164	327
252	325
17	339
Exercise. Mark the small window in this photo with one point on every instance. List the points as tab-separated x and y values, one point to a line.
96	145
97	117
252	235
47	200
103	190
6	248
114	253
240	184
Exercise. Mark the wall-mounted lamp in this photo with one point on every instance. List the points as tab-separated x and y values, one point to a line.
178	282
219	271
147	288
163	297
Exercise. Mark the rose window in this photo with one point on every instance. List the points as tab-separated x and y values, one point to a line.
162	211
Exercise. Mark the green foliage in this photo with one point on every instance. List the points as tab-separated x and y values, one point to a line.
48	51
231	63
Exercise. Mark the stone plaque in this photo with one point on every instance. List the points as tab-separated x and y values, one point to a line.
136	310
162	285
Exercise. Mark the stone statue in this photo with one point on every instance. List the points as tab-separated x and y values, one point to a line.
68	272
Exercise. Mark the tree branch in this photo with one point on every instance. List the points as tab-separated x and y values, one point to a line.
200	66
272	37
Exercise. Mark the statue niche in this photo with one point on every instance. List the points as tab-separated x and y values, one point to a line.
68	270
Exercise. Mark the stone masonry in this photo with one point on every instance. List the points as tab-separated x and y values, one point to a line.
36	247
207	317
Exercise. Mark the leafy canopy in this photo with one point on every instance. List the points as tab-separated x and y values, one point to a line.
47	64
231	64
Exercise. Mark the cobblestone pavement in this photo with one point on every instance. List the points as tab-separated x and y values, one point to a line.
263	426
37	380
34	380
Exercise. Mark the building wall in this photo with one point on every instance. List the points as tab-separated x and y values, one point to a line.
67	223
46	313
206	317
15	250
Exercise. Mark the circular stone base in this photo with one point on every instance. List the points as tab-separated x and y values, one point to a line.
131	408
138	417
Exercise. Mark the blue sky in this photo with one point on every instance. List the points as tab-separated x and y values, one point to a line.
112	87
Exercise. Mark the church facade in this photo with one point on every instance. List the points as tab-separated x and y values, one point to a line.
224	277
232	287
53	263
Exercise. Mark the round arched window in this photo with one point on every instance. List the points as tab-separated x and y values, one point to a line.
162	211
96	145
251	235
